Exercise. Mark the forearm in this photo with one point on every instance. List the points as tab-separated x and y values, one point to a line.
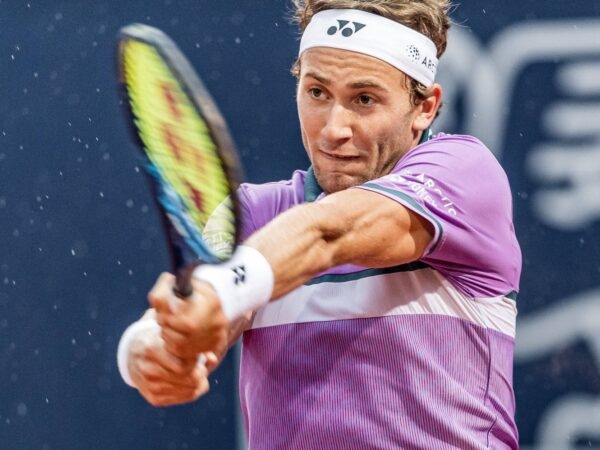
236	329
297	245
354	226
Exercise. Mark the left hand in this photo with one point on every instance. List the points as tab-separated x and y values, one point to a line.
162	378
191	326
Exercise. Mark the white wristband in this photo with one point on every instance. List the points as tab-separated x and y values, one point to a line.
243	284
125	343
142	325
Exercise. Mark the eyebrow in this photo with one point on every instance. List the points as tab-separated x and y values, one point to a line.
359	84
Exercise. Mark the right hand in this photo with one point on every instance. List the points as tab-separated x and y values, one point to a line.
162	378
192	326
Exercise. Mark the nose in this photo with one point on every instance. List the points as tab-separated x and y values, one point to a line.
338	128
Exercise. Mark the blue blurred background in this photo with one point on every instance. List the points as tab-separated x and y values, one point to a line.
80	242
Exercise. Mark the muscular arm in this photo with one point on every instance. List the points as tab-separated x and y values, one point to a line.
353	226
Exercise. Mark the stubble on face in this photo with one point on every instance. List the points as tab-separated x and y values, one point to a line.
332	182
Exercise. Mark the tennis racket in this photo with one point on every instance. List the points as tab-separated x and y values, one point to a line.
187	151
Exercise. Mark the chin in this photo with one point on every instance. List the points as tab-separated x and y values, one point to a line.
332	183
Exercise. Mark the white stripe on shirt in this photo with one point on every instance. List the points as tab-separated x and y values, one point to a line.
423	291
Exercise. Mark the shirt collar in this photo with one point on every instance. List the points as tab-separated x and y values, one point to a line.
311	186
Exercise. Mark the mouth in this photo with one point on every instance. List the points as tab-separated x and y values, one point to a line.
338	157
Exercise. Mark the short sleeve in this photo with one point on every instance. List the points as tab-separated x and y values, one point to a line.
456	184
260	203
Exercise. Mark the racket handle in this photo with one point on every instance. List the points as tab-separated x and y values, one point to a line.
183	282
182	291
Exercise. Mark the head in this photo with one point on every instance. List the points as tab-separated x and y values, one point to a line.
360	114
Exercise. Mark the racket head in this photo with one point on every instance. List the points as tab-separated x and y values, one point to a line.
188	152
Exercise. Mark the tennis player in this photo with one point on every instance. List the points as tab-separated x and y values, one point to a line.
375	291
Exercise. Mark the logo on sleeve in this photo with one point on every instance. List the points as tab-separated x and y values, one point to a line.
345	28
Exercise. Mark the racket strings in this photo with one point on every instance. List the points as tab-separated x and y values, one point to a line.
178	142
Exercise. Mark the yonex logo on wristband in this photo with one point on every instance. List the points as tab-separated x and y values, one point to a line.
240	291
239	274
345	29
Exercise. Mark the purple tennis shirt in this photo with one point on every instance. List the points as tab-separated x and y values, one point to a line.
417	356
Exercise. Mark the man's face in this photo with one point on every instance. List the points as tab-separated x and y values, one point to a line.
356	116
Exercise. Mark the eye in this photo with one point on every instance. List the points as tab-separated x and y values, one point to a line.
365	100
316	92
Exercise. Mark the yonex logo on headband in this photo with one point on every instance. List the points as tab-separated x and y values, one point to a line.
347	31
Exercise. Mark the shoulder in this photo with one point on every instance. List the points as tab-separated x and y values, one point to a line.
257	195
260	203
456	146
457	160
457	151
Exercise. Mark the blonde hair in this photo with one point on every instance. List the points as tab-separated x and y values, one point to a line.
428	17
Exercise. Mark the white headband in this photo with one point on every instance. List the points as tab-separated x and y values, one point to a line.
374	35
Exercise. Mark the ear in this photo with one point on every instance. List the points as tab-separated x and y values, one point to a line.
428	108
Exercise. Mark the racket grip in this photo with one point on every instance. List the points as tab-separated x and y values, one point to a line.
182	290
183	282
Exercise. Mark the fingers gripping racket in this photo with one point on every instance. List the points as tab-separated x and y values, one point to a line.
188	153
